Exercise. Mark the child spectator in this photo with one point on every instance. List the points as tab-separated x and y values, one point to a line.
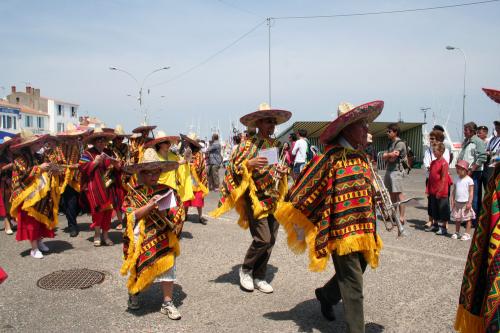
437	189
461	200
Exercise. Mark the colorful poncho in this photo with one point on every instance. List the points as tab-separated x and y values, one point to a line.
34	191
71	152
199	173
259	184
332	206
153	252
478	309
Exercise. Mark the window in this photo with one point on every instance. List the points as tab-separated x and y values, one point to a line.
28	121
73	112
60	127
14	122
40	122
60	110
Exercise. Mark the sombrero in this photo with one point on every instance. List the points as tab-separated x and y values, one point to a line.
72	131
265	111
6	142
348	114
27	139
150	165
162	137
143	128
99	133
493	94
191	139
120	133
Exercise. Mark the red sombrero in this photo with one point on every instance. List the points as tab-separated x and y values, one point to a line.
162	166
143	128
191	139
7	142
348	114
161	137
99	133
493	94
27	139
72	132
265	111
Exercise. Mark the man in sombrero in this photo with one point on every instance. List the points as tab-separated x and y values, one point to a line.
253	185
94	163
137	141
330	210
151	237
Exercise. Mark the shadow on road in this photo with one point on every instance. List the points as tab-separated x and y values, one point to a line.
417	224
307	316
186	235
233	277
152	298
55	246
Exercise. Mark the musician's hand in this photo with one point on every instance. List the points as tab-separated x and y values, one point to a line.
282	169
44	166
73	166
468	206
98	159
153	201
257	162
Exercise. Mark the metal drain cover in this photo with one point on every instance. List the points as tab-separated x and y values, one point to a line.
70	279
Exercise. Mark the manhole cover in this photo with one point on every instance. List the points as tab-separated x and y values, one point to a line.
70	279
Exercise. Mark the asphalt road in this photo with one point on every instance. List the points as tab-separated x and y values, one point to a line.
415	288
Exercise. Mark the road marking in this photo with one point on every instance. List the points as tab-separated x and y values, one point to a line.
444	256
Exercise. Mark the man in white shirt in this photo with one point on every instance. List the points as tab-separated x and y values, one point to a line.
300	153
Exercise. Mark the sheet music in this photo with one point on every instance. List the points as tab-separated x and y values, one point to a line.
108	157
271	154
166	201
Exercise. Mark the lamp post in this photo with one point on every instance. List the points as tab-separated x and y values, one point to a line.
451	48
141	85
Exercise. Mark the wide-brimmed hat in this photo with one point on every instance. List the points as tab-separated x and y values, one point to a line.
6	142
27	138
120	133
348	114
493	94
72	131
191	139
99	133
265	111
143	128
462	164
149	164
162	137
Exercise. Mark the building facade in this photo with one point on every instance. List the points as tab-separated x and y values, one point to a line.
13	117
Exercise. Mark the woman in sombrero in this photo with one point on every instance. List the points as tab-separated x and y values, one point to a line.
151	237
199	177
94	163
6	182
330	211
35	194
160	149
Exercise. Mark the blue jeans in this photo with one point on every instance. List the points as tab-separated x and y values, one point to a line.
478	194
297	168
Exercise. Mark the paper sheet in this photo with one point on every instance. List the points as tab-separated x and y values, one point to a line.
166	201
271	154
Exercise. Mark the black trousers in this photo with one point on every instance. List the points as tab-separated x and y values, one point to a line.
71	206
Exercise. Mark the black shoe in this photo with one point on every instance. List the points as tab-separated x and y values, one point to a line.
73	233
326	307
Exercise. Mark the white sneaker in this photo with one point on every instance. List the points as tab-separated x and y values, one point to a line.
36	254
42	247
465	237
170	310
455	235
246	280
263	286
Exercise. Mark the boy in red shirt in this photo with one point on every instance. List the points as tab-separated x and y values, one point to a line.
437	189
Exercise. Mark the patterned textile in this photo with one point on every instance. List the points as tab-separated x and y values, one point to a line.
136	148
332	202
199	173
478	309
155	250
259	183
6	182
98	196
71	152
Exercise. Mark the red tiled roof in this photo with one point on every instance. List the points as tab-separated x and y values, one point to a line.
23	108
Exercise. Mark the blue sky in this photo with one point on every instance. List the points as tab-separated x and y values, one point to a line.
65	48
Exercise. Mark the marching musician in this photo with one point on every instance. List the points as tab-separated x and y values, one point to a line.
6	164
35	195
95	165
254	187
151	237
330	210
198	169
138	140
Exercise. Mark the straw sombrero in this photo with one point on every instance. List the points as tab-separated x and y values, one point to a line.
493	94
99	133
150	165
27	138
348	114
191	139
143	128
162	137
265	111
72	131
120	133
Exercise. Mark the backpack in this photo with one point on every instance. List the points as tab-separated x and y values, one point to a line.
403	160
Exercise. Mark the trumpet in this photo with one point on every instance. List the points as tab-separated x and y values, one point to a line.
383	203
157	218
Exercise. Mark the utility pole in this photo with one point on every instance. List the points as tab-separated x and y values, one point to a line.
269	56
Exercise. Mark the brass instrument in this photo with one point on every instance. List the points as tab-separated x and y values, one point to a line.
156	217
383	203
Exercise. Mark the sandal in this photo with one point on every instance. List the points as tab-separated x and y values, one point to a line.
108	242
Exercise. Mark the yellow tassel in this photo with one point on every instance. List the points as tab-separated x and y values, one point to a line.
466	322
131	246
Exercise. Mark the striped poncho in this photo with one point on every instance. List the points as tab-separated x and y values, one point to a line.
331	208
199	173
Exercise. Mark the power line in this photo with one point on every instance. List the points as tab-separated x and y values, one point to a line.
385	12
212	56
239	8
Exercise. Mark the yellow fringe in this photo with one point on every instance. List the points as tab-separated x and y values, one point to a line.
466	322
55	195
21	197
288	216
136	284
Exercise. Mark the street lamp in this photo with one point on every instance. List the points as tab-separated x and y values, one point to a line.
141	85
451	48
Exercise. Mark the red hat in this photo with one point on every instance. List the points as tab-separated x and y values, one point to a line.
493	94
462	164
265	111
162	137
